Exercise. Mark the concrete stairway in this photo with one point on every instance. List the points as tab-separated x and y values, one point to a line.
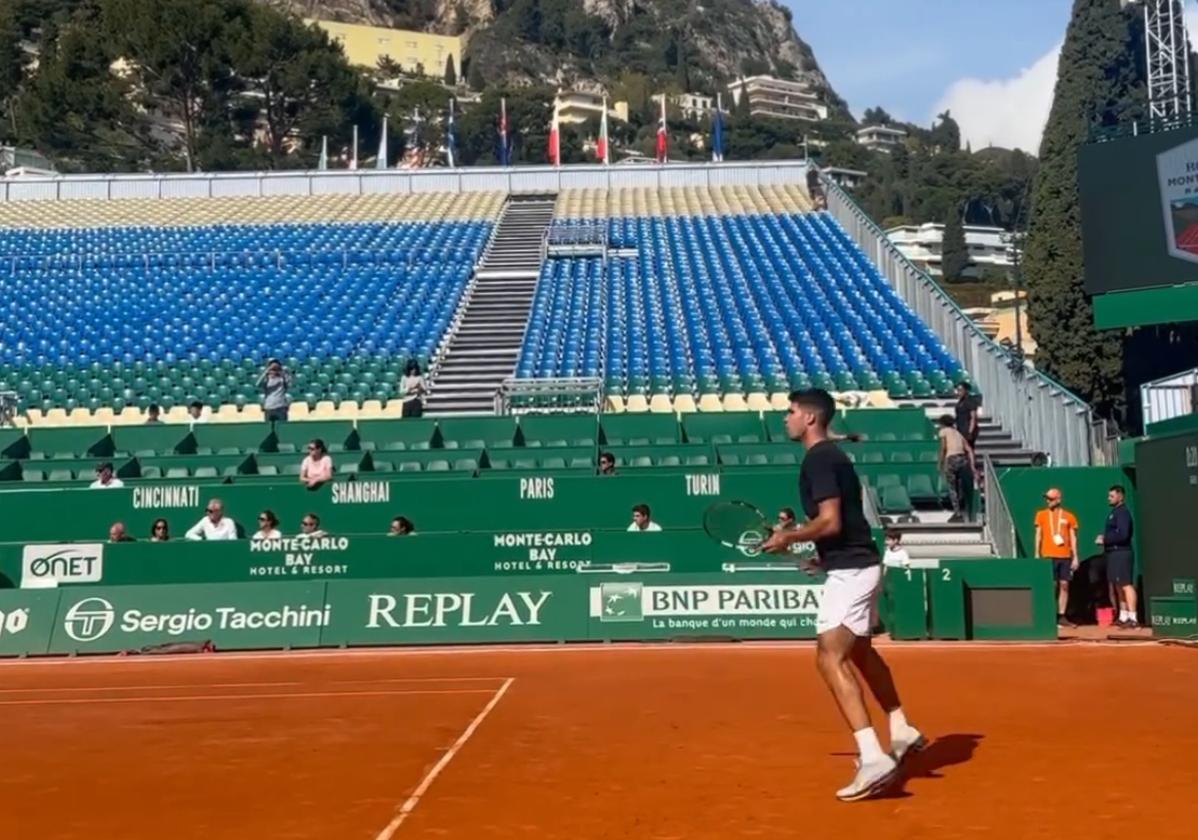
484	349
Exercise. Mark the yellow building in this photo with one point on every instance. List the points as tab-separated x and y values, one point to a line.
578	106
414	51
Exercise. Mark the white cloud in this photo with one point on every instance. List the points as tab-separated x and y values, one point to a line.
1010	112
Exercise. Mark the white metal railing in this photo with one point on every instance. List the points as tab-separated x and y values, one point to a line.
1172	396
524	396
999	525
1038	411
370	181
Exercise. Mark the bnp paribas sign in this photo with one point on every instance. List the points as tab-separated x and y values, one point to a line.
1177	170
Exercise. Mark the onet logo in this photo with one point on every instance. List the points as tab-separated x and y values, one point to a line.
89	619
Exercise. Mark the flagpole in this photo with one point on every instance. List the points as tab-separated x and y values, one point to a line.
504	149
449	138
353	160
323	163
604	138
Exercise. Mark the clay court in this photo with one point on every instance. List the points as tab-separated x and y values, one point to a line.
719	741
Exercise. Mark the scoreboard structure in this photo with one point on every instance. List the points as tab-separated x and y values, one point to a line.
1139	212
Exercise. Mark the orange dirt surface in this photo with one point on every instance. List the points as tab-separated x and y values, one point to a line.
687	741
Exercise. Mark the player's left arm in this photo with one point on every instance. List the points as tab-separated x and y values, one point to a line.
1073	542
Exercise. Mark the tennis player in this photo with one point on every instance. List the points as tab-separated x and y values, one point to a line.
830	494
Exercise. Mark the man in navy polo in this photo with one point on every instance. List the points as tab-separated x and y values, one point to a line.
1116	545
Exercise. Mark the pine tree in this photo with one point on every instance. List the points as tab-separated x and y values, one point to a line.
954	251
451	73
1098	83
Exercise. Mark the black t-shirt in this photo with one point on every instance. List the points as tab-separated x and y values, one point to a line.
966	406
827	473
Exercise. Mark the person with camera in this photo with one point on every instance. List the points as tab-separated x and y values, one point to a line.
1056	540
273	383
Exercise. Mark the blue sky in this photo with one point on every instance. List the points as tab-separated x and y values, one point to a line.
915	56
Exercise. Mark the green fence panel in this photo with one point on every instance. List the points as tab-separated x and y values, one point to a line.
1167	479
334	433
13	444
1084	492
640	429
367	505
85	441
904	423
244	437
410	433
477	433
159	439
768	605
721	429
248	616
906	603
560	430
998	599
26	621
455	610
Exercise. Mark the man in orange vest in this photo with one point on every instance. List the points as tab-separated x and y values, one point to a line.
1056	540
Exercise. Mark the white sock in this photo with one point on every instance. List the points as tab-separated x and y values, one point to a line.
868	745
1124	615
898	721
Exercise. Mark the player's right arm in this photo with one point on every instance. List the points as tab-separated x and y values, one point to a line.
1038	552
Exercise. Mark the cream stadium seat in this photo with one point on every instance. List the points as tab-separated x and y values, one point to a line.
735	402
393	409
780	401
348	410
130	416
685	404
637	403
661	404
370	410
252	413
324	410
710	402
178	414
615	404
758	402
297	411
56	417
227	413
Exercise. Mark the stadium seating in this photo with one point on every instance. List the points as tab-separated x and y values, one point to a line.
108	318
756	301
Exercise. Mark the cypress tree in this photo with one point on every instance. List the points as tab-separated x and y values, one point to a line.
954	251
1099	82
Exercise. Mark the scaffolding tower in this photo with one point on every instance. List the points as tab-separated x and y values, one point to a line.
1168	57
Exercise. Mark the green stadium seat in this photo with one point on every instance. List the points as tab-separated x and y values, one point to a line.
177	472
151	472
61	475
902	456
268	469
670	461
921	490
33	475
465	465
410	466
560	430
553	463
895	501
437	466
207	472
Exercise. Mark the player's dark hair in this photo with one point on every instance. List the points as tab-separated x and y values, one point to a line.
946	420
642	509
1118	488
817	401
965	385
894	534
789	513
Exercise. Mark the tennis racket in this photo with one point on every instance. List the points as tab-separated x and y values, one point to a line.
737	525
743	527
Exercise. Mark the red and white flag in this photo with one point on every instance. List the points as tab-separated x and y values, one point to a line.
603	150
555	140
663	141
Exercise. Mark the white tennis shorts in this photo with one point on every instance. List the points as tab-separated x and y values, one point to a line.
850	600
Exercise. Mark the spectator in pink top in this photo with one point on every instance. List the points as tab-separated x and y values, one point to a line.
317	467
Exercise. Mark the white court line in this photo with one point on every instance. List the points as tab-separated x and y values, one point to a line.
365	681
406	809
180	698
81	688
350	653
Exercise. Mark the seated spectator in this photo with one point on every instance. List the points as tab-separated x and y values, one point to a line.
215	525
317	467
786	520
153	415
273	383
106	479
642	519
160	531
118	534
195	411
401	526
268	526
412	390
310	526
607	464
